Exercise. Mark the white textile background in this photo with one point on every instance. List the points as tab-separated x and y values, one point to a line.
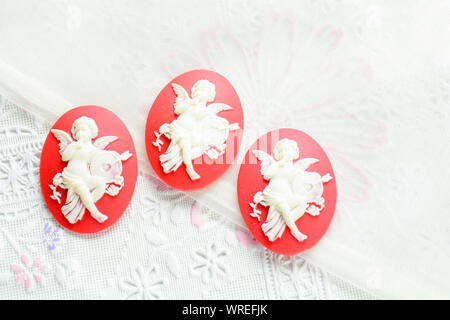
165	246
369	80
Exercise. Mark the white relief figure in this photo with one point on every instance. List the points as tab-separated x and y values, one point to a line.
91	171
197	130
291	191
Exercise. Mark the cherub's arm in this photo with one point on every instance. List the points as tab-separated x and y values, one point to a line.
69	152
270	171
182	107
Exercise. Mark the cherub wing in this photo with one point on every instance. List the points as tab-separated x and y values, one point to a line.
182	96
64	139
312	181
305	163
217	107
103	142
265	158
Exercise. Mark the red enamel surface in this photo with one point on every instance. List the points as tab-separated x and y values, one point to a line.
250	181
51	163
162	111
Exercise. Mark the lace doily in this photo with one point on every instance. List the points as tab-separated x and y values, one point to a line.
165	245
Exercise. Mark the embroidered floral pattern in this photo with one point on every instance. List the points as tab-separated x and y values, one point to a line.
30	270
19	161
143	284
14	176
67	273
159	211
52	236
152	209
210	263
298	279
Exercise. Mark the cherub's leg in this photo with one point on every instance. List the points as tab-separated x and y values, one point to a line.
170	147
290	222
298	212
187	159
274	225
88	201
97	186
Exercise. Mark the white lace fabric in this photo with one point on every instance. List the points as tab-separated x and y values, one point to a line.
164	247
368	80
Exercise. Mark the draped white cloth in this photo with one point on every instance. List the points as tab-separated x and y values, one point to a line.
369	80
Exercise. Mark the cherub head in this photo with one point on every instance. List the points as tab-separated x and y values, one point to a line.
84	129
203	90
286	150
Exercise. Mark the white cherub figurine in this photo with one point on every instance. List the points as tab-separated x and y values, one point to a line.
197	130
291	191
90	172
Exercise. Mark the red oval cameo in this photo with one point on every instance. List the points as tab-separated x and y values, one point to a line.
194	129
287	191
88	169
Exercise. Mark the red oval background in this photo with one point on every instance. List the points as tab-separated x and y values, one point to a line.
162	111
51	163
251	181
